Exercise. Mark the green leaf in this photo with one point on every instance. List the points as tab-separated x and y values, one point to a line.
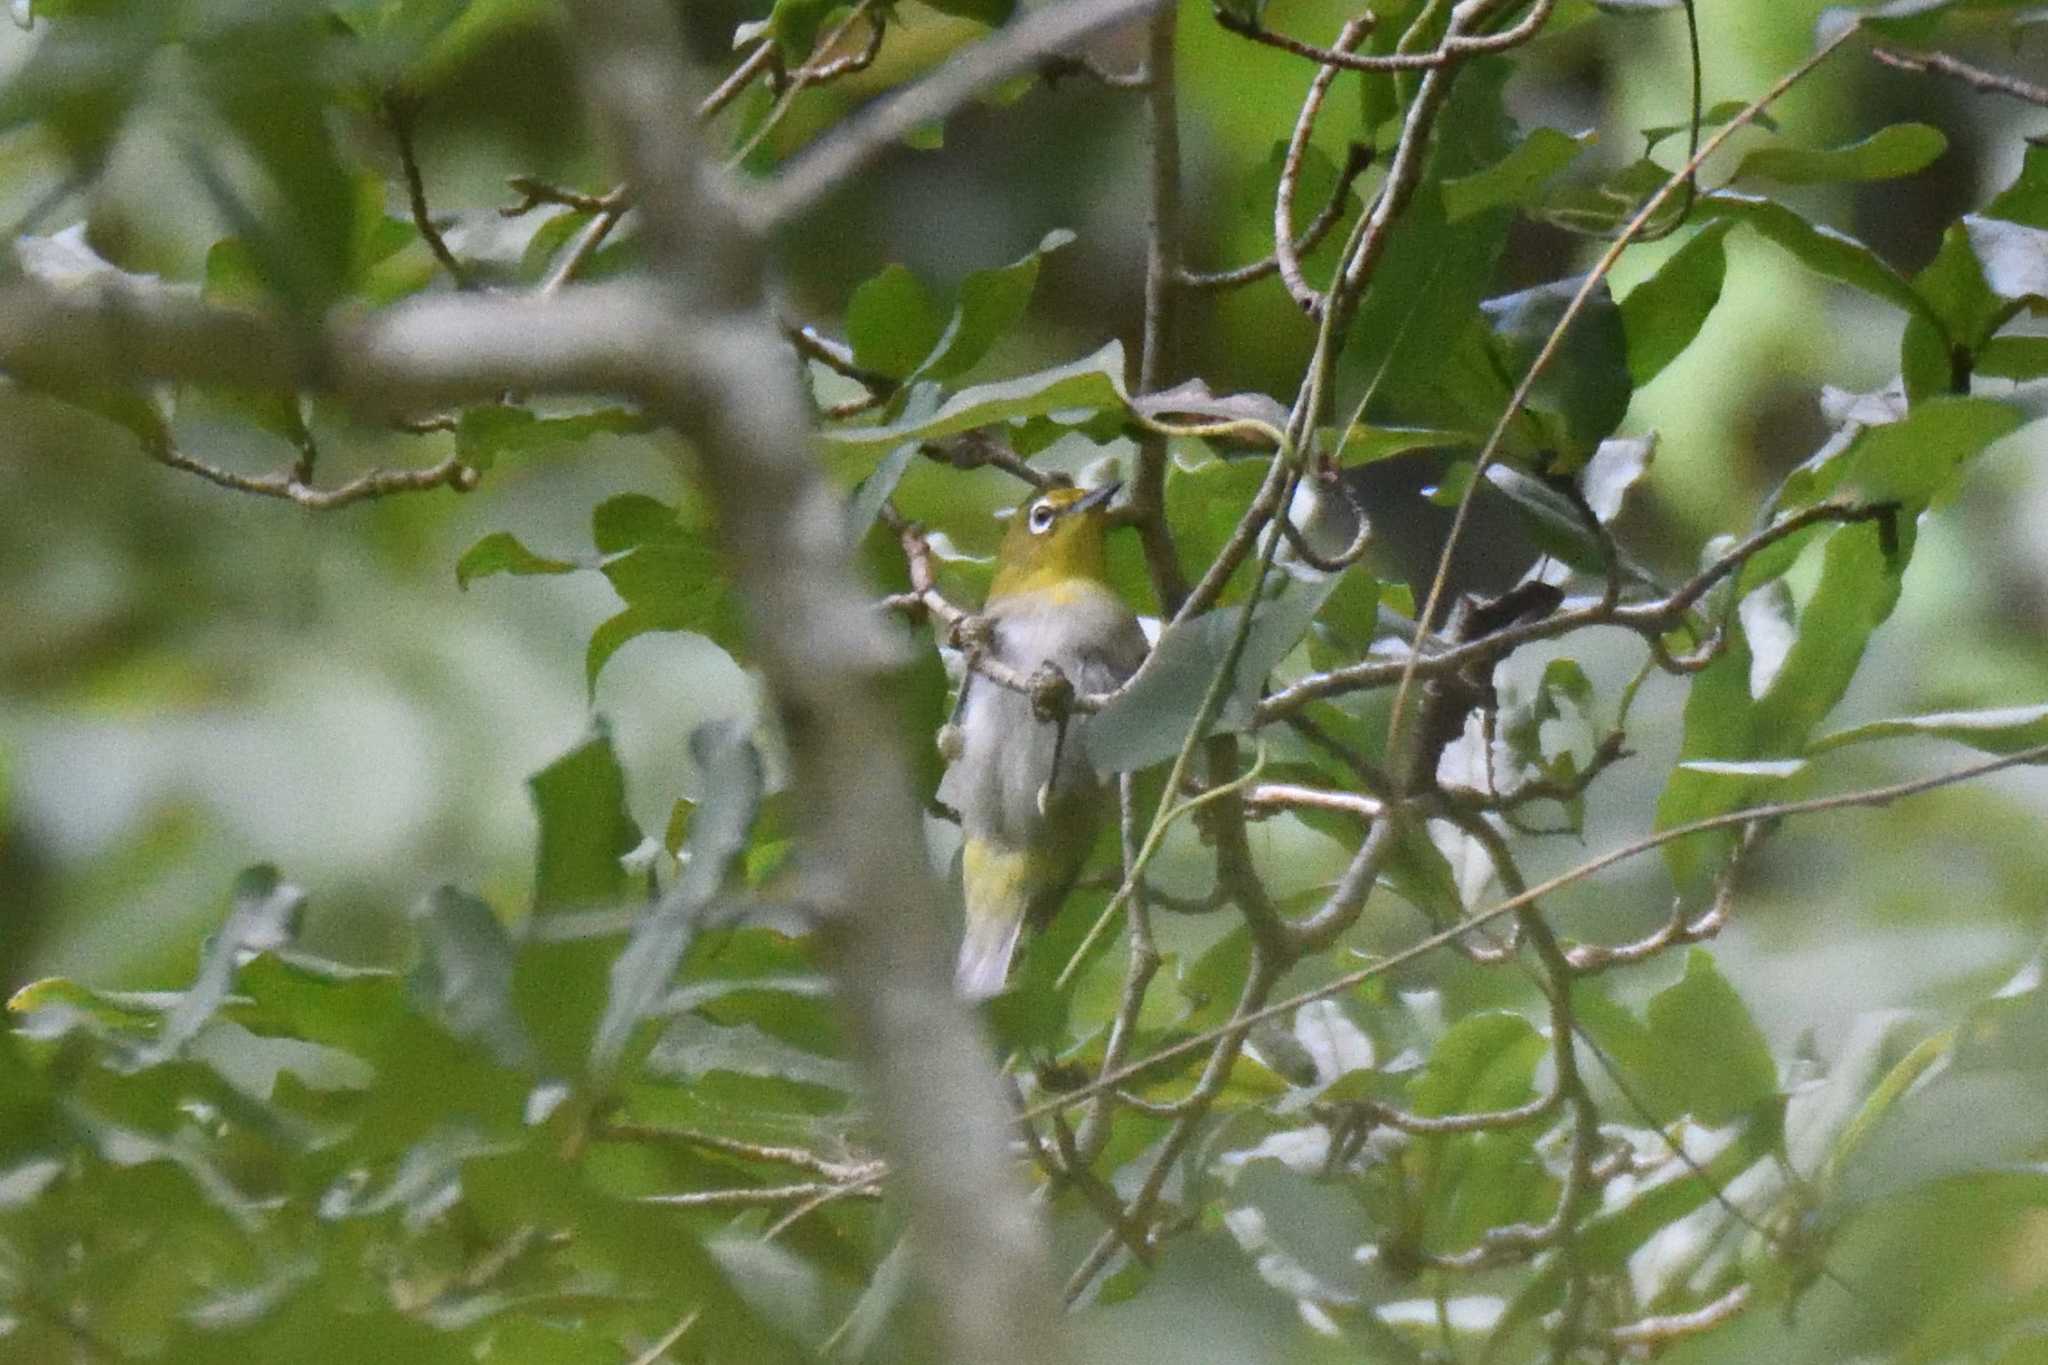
692	1048
632	519
484	433
895	327
1586	384
1971	1114
1554	523
1729	720
892	323
585	829
1476	1181
1563	693
1712	117
2025	200
1954	288
669	574
1364	443
1901	149
1828	253
1913	461
991	303
1516	180
502	552
1997	730
1663	314
795	23
1149	721
263	913
718	826
1486	1061
1434	272
463	978
2014	357
877	487
1072	392
1724	722
1602	209
260	70
1712	1062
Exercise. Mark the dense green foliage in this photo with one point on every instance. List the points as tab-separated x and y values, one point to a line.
577	1091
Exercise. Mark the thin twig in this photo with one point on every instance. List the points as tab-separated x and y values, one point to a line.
1589	958
1278	796
400	109
763	58
1061	65
983	449
534	192
815	72
837	357
1450	52
753	1196
290	486
799	1157
1356	162
1658	1332
615	206
654	1353
1289	264
1976	77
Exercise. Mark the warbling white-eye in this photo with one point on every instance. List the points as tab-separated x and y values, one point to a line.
1029	800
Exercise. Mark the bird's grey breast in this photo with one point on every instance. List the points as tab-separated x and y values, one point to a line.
1007	753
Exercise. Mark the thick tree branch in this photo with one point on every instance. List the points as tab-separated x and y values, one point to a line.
939	1110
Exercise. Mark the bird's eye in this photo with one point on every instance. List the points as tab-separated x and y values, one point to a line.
1041	518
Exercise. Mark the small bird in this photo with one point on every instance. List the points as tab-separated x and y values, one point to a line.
1028	797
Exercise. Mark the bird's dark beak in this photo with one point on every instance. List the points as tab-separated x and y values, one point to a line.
1098	498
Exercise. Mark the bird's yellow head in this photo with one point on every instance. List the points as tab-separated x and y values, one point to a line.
1055	541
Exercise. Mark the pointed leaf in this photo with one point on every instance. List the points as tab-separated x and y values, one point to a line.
464	975
502	552
1518	178
1149	721
263	914
1997	730
1712	1062
644	969
1663	314
1082	389
584	829
1901	149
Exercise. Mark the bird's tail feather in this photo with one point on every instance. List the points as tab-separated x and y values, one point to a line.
998	882
985	955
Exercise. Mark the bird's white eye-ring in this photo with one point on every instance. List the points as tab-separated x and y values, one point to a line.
1042	514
